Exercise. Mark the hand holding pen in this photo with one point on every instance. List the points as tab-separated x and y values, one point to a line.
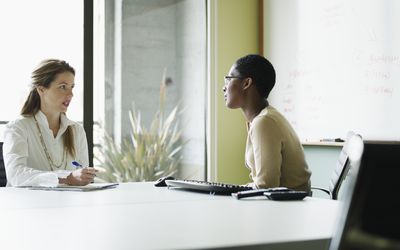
82	175
76	164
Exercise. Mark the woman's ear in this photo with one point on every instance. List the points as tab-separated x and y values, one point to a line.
40	89
247	82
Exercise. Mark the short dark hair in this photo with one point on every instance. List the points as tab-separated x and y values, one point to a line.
260	70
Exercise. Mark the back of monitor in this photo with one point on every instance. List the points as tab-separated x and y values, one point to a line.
371	214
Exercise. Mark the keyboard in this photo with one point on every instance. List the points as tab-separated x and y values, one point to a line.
205	186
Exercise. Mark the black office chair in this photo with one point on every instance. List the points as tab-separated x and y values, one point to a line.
3	178
340	171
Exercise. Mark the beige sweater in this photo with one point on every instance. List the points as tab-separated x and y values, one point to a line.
274	154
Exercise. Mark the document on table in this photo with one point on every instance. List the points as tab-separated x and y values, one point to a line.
89	187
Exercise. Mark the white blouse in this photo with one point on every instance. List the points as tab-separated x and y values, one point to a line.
25	159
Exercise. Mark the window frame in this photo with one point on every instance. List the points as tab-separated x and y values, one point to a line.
88	75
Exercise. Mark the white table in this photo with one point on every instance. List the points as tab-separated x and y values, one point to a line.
141	216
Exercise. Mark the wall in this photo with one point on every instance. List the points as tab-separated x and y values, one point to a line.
233	33
322	161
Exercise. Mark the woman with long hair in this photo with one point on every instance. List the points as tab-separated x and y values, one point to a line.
40	145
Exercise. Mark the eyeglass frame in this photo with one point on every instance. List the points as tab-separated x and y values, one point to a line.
227	79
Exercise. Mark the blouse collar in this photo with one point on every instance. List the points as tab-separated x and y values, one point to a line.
65	122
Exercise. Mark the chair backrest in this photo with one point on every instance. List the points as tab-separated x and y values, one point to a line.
3	179
342	168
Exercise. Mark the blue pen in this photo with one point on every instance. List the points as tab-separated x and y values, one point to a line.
76	164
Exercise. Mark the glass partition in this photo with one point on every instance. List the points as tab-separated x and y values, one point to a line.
140	45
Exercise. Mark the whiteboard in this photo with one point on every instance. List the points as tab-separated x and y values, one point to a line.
337	65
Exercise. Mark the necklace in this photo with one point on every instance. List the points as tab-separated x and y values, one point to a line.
51	163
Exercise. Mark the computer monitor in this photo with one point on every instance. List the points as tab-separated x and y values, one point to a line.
371	213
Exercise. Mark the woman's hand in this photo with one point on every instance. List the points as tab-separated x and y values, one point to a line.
80	177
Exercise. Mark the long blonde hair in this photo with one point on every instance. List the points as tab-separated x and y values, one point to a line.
43	76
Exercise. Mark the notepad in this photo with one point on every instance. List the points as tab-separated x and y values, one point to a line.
89	187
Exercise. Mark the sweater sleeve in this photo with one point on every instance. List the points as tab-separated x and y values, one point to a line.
266	139
15	151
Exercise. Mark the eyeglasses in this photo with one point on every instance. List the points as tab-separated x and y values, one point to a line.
227	79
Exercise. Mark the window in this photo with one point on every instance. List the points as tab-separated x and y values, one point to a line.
134	42
33	31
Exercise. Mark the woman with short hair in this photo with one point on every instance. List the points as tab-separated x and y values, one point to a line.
274	154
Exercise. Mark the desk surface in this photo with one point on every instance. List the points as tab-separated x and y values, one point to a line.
141	216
